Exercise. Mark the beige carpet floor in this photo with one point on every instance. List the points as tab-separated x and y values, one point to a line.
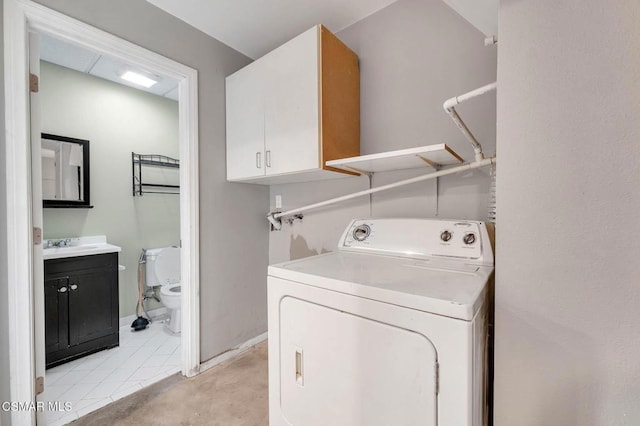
234	393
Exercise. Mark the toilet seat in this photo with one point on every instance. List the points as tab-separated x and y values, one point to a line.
166	268
171	290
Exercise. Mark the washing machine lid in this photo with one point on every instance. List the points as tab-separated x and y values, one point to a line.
450	288
167	266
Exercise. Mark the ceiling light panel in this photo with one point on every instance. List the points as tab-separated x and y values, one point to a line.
112	69
138	79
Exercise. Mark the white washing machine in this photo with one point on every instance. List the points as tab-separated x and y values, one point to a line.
389	330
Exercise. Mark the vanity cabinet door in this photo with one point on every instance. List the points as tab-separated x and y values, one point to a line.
93	306
81	306
56	314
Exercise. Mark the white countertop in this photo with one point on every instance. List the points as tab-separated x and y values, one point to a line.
79	246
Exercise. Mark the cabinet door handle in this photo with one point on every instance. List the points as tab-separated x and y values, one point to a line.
258	162
74	286
267	158
62	289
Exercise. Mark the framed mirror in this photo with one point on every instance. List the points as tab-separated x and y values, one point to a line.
65	171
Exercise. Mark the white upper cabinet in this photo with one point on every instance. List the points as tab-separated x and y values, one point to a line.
291	106
292	110
245	123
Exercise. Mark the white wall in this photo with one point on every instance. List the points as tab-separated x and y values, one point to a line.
568	276
413	56
233	233
117	120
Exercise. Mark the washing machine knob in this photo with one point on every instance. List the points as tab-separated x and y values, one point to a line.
361	232
469	239
446	236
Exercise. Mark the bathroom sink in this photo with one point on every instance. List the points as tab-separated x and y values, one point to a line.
79	246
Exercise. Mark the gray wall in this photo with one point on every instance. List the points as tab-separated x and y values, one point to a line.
567	279
414	55
233	233
4	301
116	120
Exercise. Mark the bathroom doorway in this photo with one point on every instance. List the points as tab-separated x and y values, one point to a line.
132	202
26	314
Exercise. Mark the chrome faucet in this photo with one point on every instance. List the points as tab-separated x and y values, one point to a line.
65	242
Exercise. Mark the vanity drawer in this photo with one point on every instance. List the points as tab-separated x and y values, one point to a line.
79	263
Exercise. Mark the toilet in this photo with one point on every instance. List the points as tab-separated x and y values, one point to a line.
163	269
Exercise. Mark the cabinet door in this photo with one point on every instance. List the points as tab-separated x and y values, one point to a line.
292	105
245	123
56	327
93	305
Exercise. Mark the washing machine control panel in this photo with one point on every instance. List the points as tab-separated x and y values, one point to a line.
418	238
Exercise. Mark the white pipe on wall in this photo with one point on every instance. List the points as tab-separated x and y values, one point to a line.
450	103
449	107
490	41
273	217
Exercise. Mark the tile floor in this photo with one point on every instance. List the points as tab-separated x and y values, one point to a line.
89	383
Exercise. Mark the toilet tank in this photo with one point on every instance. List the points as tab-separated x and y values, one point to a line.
152	256
150	267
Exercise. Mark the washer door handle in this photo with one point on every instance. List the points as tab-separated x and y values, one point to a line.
299	367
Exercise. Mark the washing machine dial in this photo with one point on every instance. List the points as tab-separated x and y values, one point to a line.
469	238
361	232
446	236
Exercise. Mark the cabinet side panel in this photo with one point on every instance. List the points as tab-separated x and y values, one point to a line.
340	100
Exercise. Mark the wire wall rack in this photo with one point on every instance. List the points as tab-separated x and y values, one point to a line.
139	162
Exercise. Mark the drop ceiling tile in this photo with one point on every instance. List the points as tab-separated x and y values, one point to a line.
71	56
172	94
66	54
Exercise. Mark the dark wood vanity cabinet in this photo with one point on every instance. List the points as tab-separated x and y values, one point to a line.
81	306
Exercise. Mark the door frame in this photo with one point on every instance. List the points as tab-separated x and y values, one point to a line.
21	17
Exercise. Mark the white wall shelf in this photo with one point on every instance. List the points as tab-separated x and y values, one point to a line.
432	156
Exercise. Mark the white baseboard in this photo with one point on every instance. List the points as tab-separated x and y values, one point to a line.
155	313
232	353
